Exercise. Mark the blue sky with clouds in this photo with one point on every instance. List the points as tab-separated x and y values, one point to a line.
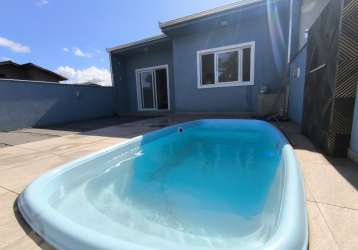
70	36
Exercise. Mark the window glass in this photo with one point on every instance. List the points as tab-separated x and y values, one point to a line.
207	69
228	66
147	90
246	64
161	88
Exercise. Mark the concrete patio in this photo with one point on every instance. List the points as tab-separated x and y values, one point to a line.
26	135
330	184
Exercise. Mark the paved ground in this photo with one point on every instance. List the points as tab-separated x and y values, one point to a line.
21	136
330	184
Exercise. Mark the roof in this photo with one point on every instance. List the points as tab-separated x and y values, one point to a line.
9	62
207	13
31	65
138	43
164	25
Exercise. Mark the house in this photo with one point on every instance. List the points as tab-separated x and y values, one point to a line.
291	58
214	61
28	71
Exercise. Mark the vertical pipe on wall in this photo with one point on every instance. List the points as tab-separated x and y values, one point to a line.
287	88
290	33
110	66
278	46
111	71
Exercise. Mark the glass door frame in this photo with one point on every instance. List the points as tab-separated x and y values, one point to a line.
138	76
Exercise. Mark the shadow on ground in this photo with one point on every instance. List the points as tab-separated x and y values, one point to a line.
29	232
344	166
94	124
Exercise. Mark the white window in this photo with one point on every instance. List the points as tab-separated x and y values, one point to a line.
226	66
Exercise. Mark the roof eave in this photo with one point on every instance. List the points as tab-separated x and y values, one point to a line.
182	20
137	43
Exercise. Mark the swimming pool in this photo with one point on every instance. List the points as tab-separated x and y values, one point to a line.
206	184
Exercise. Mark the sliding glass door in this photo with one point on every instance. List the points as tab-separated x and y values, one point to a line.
152	87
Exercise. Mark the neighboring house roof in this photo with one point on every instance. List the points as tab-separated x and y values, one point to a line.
29	66
182	20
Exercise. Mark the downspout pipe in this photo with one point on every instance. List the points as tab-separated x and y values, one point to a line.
287	80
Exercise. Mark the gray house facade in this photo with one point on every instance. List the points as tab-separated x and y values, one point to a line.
214	61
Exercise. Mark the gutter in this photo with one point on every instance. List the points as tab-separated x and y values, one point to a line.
181	20
137	43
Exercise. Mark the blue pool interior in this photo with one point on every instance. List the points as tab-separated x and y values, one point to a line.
213	184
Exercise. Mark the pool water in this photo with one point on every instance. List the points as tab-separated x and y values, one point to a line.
208	186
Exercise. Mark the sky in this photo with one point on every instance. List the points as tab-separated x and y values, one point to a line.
70	37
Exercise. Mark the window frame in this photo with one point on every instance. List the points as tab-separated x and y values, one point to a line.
231	48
